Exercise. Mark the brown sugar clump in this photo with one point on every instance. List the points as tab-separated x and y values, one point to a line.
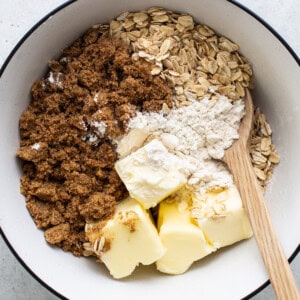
67	132
98	206
57	234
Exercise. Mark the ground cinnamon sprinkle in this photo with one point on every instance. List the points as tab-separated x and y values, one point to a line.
66	134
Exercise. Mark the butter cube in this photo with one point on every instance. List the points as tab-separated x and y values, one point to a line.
151	173
184	241
125	240
221	216
131	142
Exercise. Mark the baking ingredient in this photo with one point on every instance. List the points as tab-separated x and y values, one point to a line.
131	142
151	173
197	62
183	239
191	227
199	134
68	130
263	153
82	106
221	216
125	240
191	57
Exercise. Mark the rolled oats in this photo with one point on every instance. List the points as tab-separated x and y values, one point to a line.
262	151
274	158
197	63
184	52
219	208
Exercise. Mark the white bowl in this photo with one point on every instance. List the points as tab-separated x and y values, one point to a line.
231	273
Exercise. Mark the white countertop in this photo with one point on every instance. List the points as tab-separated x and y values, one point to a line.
16	18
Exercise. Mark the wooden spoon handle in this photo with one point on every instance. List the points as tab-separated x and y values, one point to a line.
277	266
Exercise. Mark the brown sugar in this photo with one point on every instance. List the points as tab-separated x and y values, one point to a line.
67	134
57	234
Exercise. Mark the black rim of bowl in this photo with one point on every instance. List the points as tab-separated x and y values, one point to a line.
44	19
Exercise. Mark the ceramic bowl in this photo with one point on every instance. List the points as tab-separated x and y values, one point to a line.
232	273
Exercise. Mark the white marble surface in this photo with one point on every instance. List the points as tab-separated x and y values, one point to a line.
16	18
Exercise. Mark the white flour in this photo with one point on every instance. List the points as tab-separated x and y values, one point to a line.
158	157
97	131
55	79
99	127
198	134
36	146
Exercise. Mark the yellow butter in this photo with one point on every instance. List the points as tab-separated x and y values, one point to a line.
151	173
131	142
184	241
222	217
191	227
126	240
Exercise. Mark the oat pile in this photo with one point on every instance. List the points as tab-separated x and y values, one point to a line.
262	151
94	89
191	57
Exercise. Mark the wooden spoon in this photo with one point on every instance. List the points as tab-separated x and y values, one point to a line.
238	161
